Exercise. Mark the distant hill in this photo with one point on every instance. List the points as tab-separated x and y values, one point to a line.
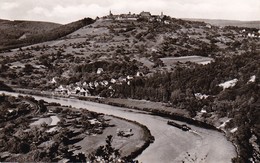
222	23
18	33
14	30
1	20
31	26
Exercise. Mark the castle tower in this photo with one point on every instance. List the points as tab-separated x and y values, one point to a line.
110	13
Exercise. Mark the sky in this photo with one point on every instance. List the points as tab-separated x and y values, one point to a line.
66	11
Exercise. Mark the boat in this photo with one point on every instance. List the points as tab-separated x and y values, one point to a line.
184	127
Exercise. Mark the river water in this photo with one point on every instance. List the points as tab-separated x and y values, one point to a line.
171	144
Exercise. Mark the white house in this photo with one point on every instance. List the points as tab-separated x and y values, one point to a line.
84	92
113	80
99	70
91	85
139	74
105	82
129	77
96	84
53	81
208	26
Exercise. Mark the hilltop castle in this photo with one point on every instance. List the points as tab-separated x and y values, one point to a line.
130	16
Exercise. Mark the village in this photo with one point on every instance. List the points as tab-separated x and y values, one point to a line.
85	89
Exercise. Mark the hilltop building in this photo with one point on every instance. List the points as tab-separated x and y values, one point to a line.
133	16
162	15
145	14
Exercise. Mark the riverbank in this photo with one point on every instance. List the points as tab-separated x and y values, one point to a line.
174	114
129	146
163	133
153	108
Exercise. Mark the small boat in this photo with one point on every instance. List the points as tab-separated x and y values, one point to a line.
184	127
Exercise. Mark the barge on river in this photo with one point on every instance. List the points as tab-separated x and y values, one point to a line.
184	127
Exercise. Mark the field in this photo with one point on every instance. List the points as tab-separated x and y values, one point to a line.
196	59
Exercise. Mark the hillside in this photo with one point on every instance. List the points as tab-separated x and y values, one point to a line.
210	72
18	30
20	33
222	23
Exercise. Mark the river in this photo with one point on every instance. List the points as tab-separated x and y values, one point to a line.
171	144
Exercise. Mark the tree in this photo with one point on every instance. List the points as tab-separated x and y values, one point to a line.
107	153
42	107
24	147
28	68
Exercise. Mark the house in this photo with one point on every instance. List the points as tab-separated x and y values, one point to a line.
61	89
84	92
122	79
251	35
139	74
77	90
85	84
166	22
129	77
99	70
91	85
96	84
208	26
113	80
105	83
53	81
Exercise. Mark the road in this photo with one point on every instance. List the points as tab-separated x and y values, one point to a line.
171	144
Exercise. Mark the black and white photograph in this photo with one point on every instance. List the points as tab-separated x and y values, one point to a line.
130	81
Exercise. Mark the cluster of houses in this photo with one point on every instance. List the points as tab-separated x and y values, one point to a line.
85	88
252	34
130	16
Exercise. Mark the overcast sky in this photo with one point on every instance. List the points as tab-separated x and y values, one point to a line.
65	11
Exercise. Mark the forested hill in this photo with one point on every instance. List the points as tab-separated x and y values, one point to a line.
18	30
17	33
